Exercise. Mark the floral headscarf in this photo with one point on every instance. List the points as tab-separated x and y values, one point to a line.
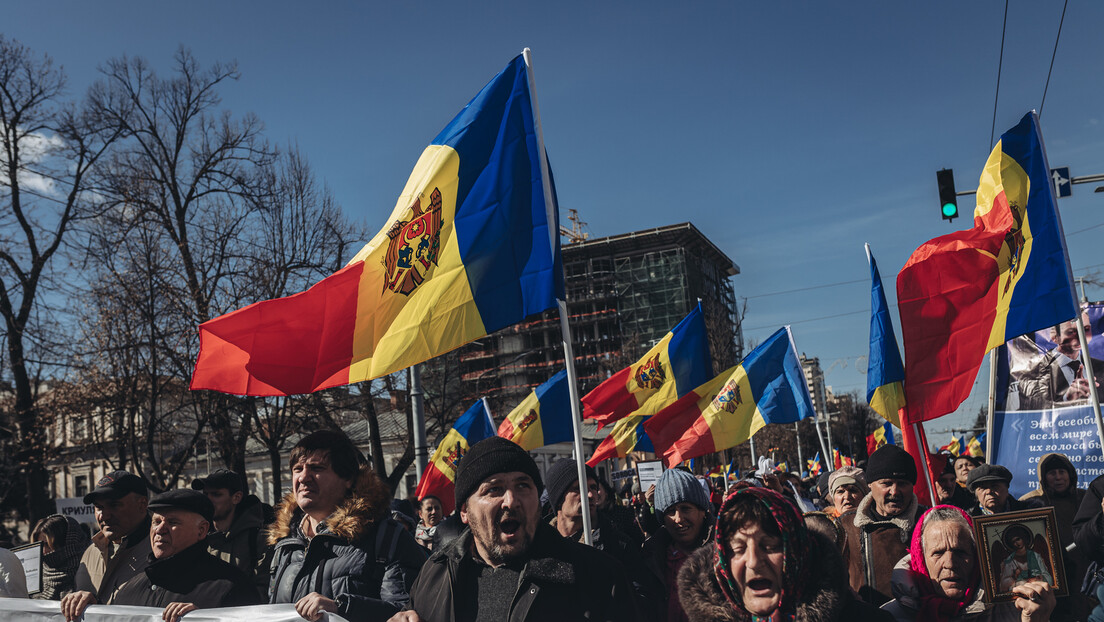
796	547
932	605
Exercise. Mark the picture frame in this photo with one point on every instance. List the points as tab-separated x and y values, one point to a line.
1016	547
30	556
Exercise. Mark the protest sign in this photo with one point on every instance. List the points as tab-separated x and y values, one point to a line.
79	510
25	610
1043	405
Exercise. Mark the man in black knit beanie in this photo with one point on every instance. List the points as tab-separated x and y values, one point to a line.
508	564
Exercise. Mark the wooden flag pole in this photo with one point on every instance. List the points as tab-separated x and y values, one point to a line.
552	211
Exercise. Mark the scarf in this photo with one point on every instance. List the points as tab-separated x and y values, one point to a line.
796	547
59	567
933	606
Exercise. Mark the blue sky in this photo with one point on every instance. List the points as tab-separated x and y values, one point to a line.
790	133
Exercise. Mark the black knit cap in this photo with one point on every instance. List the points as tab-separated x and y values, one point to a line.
890	462
487	457
184	499
560	477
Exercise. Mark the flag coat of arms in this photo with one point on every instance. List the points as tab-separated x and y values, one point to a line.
962	294
439	477
767	387
543	417
673	367
468	249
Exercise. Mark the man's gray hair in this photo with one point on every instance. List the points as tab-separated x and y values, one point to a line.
946	515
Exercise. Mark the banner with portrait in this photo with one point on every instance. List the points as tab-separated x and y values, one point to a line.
1043	403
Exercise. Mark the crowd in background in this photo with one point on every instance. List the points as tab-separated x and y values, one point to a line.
853	544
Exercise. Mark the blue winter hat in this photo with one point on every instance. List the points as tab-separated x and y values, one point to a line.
676	486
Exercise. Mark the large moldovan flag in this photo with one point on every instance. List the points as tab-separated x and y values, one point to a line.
963	294
670	370
884	372
440	475
468	249
767	387
543	417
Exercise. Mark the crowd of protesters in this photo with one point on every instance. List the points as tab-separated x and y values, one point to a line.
853	544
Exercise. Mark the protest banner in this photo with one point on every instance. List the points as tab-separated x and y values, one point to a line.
80	511
26	610
1043	404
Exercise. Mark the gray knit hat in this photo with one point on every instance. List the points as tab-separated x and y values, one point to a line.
676	486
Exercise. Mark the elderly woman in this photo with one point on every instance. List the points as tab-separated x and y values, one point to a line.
939	580
846	487
765	565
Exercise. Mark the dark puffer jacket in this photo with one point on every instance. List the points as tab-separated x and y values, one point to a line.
562	580
191	576
827	599
244	545
360	557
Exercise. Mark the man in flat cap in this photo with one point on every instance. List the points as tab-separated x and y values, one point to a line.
182	576
508	564
989	485
120	550
237	530
879	530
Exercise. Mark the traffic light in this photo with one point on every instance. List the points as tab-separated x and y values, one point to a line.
948	200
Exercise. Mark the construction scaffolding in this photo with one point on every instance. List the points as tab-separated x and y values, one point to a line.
623	294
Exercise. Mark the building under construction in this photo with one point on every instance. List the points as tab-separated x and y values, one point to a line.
624	292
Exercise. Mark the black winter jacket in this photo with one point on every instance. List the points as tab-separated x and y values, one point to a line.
359	556
562	580
191	576
1088	524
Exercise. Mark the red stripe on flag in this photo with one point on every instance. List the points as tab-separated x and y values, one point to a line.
611	400
298	344
436	483
607	449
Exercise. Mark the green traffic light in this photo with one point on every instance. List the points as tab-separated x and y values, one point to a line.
949	210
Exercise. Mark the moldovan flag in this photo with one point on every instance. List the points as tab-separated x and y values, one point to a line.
542	418
767	387
882	436
954	447
627	435
974	448
884	370
814	465
439	477
962	294
469	248
670	370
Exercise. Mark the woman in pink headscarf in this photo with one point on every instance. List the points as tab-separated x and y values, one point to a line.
940	580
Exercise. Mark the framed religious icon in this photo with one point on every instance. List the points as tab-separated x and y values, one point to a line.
1016	548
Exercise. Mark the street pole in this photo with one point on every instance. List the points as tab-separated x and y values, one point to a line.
417	407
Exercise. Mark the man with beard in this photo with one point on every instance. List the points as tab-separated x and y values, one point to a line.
120	550
236	534
879	531
508	564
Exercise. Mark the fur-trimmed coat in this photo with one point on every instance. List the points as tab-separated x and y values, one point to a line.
359	556
827	599
875	545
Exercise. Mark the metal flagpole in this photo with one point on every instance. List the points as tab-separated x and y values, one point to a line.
417	407
800	458
569	354
992	405
1086	364
820	437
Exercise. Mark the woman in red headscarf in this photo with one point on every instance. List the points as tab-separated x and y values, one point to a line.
940	579
765	565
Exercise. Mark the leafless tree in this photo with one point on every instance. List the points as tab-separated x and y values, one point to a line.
198	175
50	148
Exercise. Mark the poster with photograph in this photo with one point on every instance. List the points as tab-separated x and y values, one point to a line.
1043	403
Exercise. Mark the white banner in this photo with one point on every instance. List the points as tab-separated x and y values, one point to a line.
79	510
25	610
